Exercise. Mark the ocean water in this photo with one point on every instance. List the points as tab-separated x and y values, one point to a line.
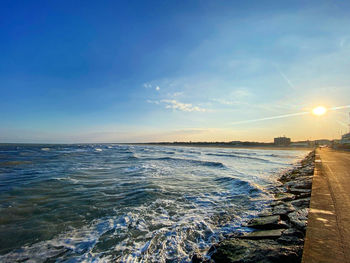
125	203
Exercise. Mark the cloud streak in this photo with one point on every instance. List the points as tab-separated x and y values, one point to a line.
290	84
272	118
176	105
287	115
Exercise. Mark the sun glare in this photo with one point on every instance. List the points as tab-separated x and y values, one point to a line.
320	110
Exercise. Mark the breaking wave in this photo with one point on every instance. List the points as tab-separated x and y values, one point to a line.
122	203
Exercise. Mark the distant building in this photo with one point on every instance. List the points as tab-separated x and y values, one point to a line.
345	139
300	144
323	142
281	141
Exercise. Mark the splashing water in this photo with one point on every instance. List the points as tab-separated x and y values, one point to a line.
99	203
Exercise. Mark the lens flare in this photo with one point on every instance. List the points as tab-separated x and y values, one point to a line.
320	110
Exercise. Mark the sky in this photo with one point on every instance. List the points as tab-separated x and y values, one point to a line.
146	71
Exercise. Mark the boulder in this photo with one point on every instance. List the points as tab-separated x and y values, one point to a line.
284	197
249	251
301	203
291	236
282	209
267	222
298	191
263	234
304	182
299	218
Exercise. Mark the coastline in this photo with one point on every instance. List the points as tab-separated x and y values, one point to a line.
226	146
278	233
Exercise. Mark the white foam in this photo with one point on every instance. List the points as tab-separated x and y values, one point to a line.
45	149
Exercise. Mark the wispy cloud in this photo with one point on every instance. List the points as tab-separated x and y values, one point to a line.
147	85
176	105
175	94
151	86
153	101
237	97
226	102
240	93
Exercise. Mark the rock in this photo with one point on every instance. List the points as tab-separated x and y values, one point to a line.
291	236
283	209
197	258
301	203
264	234
286	240
304	182
308	170
276	240
266	212
284	197
299	218
249	251
267	222
298	191
293	232
276	203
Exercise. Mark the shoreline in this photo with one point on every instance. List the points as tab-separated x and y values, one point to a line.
209	145
227	146
278	232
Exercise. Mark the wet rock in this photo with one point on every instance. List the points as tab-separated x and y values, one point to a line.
291	236
198	258
264	234
299	218
301	203
281	226
267	222
305	182
309	169
283	209
287	240
263	221
266	212
249	251
284	197
293	232
298	191
276	203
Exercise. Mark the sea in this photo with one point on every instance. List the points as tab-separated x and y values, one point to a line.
129	203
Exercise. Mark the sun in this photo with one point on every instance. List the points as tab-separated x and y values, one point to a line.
320	110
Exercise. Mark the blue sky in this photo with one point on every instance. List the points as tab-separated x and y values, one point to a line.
133	71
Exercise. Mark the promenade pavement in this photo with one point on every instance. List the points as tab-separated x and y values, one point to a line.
328	231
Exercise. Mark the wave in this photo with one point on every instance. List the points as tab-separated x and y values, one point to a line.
45	149
167	152
190	161
239	186
239	156
132	205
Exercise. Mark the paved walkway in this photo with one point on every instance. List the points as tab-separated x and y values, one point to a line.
328	232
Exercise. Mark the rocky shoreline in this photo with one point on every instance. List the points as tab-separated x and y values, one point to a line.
279	231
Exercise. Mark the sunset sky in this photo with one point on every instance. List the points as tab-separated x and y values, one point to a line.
137	71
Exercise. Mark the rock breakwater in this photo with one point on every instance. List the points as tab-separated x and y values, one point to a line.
279	231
